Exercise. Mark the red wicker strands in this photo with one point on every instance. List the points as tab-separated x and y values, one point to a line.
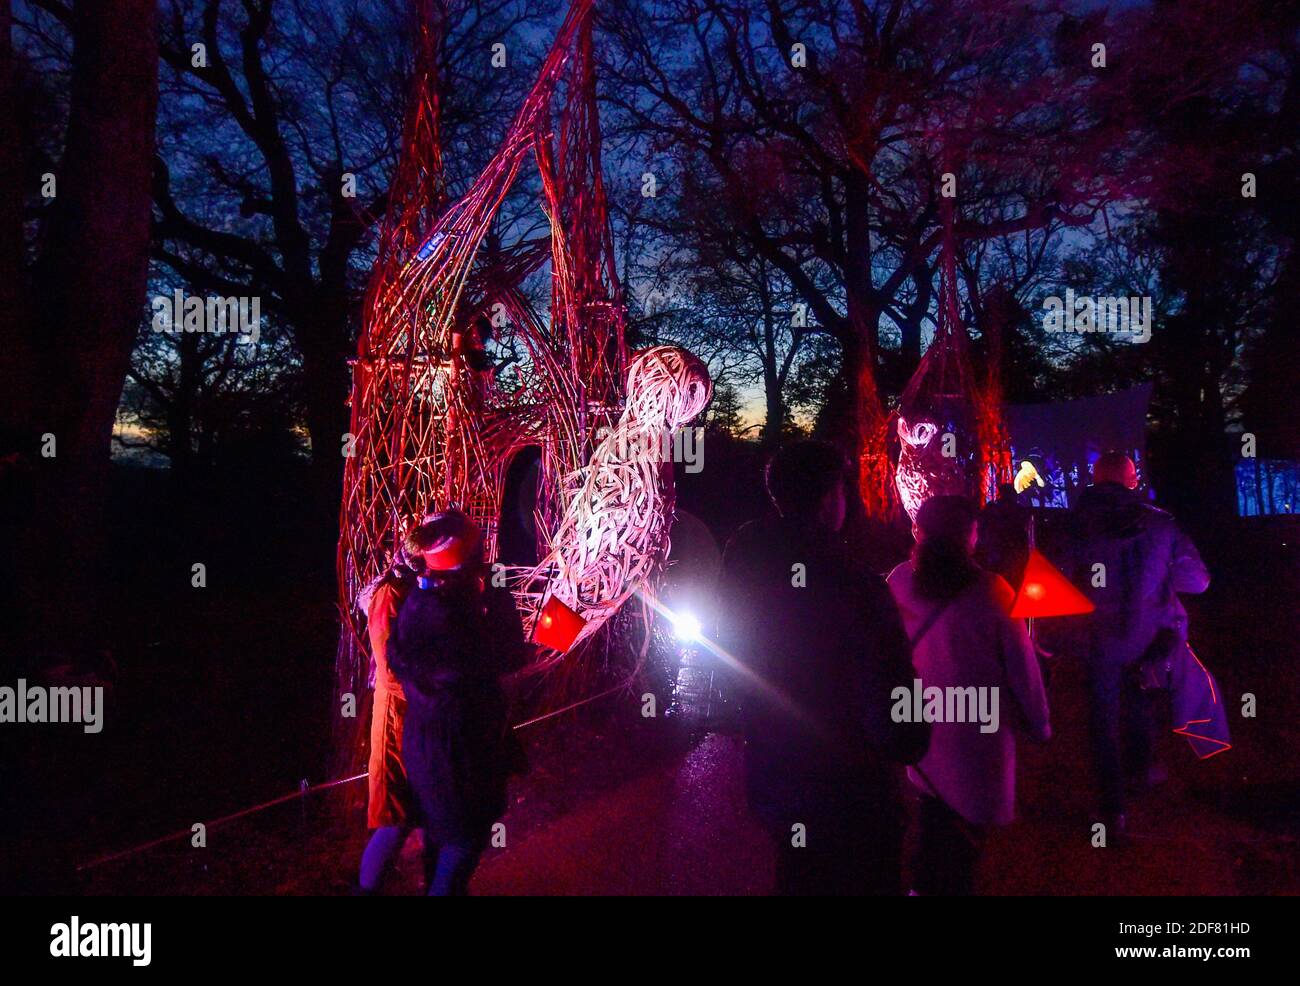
952	440
991	430
415	444
875	471
432	428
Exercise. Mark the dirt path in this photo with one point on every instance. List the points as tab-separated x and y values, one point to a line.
616	806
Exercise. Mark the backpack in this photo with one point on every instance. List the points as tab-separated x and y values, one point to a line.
441	636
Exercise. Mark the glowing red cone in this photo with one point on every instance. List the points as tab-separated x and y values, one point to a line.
557	626
1044	591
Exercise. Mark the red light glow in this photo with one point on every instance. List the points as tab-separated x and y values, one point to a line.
1046	592
558	626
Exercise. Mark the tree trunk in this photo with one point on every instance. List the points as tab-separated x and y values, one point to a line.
180	418
915	312
861	342
324	342
18	362
90	283
774	416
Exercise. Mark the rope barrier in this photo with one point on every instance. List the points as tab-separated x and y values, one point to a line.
575	705
302	792
305	790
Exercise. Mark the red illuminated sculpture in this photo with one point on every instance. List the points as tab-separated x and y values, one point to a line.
433	426
952	439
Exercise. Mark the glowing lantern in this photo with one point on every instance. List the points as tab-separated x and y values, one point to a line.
557	626
1044	591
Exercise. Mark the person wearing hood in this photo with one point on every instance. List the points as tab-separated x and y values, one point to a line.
1003	545
964	644
456	635
1132	560
818	647
390	806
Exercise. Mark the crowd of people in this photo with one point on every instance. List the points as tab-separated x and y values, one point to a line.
831	662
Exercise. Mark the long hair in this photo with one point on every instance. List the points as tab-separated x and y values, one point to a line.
942	561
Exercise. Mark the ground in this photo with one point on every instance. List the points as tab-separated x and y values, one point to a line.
616	806
217	700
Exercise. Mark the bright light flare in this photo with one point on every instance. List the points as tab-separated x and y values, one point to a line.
729	661
687	628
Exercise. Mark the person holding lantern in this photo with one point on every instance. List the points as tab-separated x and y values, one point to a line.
1131	560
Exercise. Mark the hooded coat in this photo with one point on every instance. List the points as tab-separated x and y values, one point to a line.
1147	561
389	801
454	640
973	643
821	647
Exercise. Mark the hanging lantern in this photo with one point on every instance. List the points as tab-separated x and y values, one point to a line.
557	626
952	441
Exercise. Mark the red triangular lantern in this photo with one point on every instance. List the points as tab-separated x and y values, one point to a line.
557	626
1044	591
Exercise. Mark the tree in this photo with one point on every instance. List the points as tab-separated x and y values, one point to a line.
74	333
1217	255
819	133
732	308
724	410
282	130
202	399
